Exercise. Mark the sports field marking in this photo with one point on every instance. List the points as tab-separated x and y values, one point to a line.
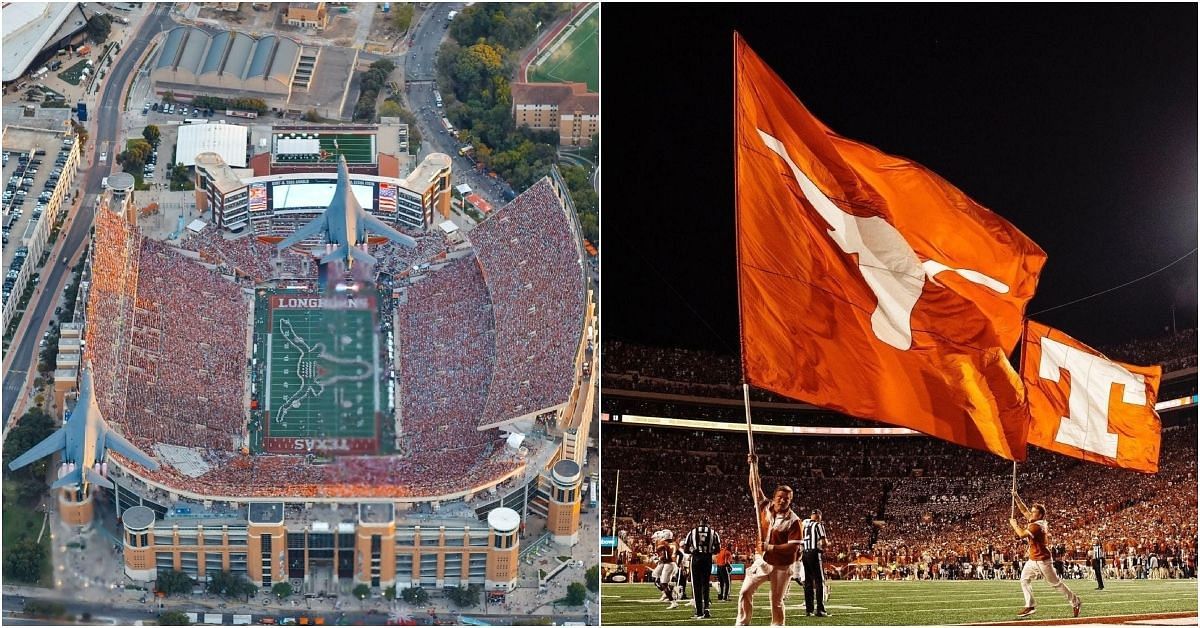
321	373
909	602
573	55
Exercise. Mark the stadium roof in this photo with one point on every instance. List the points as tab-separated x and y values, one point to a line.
28	27
231	53
226	140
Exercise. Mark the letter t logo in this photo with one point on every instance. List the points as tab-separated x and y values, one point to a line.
1092	378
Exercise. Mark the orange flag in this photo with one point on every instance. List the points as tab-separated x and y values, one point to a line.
1088	406
867	283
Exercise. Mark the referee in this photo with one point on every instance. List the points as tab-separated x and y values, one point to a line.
702	542
814	575
1098	562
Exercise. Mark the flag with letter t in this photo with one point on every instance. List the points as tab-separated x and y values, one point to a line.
1087	406
867	283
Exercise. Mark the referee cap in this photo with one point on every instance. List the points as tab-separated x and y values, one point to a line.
816	511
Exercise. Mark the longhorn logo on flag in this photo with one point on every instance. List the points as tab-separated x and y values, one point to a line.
867	283
1088	406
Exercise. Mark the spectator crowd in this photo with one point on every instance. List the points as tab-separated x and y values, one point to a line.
479	338
911	506
530	259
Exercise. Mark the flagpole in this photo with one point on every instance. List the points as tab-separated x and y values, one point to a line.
754	466
1012	512
1025	394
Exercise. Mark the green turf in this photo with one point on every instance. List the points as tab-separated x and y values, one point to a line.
20	523
357	147
321	373
908	603
577	59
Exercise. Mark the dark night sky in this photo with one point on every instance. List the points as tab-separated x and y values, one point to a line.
1075	123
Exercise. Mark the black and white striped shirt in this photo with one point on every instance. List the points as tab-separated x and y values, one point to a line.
1097	551
703	540
814	531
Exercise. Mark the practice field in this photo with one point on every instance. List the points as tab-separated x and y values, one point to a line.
321	391
576	58
359	148
906	603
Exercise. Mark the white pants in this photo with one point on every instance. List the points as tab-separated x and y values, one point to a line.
758	573
1031	569
664	573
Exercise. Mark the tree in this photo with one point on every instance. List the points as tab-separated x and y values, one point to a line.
168	97
174	618
152	135
389	593
282	589
80	132
593	578
464	597
24	561
361	591
99	27
576	594
390	109
415	596
173	583
402	15
225	583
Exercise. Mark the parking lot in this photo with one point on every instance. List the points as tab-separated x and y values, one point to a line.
31	175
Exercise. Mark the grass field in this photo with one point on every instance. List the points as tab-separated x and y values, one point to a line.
321	373
576	59
906	603
22	523
358	148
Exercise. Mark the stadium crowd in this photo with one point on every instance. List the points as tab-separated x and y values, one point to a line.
531	264
910	507
447	353
629	366
254	261
166	339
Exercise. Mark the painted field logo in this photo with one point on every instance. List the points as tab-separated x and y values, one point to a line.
321	444
313	303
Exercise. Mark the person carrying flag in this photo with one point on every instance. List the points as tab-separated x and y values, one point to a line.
781	540
1039	557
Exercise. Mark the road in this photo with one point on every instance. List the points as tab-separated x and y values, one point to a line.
122	613
420	74
75	235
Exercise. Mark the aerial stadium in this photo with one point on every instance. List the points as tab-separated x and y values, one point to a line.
400	431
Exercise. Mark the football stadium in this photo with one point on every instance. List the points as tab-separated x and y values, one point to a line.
404	430
893	430
918	527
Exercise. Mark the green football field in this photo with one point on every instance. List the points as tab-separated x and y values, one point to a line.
576	59
907	603
358	148
321	368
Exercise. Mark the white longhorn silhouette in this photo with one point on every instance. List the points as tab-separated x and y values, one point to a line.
887	262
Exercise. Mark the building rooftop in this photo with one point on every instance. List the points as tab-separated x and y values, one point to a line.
226	140
567	96
27	28
427	171
224	177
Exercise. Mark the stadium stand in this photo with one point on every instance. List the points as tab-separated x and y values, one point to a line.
531	264
629	366
896	507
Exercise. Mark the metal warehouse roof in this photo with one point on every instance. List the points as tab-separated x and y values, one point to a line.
237	54
226	140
